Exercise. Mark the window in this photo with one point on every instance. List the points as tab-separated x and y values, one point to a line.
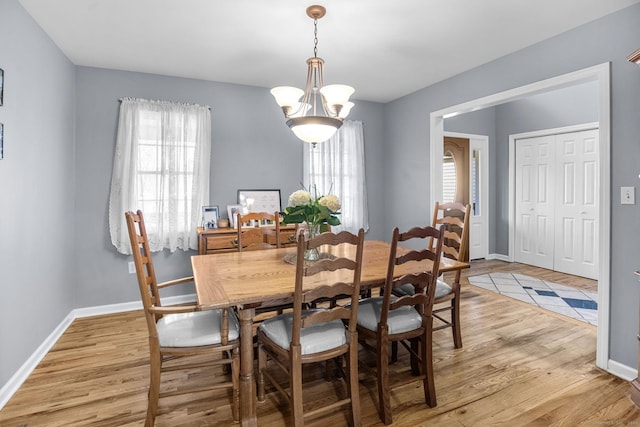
161	167
449	179
337	167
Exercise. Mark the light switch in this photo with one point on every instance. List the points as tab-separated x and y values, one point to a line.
628	195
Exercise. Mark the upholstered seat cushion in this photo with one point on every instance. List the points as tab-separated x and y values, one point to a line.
401	320
195	329
442	289
313	339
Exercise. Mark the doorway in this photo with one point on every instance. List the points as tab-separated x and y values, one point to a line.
465	180
600	74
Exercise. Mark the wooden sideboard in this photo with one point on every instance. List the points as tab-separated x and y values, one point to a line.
219	240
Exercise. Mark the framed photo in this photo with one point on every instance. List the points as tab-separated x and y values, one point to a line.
1	141
210	216
260	200
232	211
1	86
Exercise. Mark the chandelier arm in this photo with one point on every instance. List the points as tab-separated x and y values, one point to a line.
308	88
328	111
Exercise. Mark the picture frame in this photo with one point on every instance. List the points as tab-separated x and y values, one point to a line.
1	141
232	211
210	216
260	200
1	86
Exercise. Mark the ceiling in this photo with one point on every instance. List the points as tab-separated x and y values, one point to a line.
384	49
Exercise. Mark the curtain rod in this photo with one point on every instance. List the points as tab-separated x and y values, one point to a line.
158	101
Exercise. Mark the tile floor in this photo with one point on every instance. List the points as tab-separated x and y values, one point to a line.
561	299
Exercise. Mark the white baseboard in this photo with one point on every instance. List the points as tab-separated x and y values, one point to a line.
16	380
622	371
499	257
30	364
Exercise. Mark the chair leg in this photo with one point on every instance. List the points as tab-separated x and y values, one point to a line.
455	321
235	379
382	362
154	387
415	359
427	364
354	385
262	364
394	351
295	372
331	366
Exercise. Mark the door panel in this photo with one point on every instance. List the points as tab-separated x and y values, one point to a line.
576	247
534	224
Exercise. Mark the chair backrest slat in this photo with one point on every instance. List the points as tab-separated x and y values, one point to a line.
340	275
455	218
258	237
424	282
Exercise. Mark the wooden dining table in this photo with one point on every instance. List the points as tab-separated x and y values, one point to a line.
246	280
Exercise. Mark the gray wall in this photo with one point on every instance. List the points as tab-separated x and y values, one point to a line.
609	39
37	217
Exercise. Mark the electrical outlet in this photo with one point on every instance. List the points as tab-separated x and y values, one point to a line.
627	195
132	267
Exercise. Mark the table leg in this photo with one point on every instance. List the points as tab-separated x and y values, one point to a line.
455	314
248	397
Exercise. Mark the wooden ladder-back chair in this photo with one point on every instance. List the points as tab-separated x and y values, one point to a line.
176	332
455	218
305	336
390	319
258	237
455	245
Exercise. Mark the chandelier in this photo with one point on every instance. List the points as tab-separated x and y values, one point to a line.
315	113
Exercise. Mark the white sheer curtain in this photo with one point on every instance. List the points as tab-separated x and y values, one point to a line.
337	167
161	166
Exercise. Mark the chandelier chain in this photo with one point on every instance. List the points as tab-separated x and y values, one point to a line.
315	38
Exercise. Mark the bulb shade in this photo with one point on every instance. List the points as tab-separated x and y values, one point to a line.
314	128
286	96
346	108
337	94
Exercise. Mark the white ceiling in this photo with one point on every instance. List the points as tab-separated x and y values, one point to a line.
383	48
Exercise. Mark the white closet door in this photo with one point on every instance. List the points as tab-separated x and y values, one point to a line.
576	207
534	201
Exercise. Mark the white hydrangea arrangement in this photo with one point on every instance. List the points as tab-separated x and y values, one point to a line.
316	211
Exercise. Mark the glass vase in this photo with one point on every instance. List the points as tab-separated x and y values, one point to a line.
312	230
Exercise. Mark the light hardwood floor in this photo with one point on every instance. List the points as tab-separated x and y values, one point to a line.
519	365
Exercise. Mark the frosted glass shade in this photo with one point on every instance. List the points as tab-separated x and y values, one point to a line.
346	108
337	94
287	96
314	128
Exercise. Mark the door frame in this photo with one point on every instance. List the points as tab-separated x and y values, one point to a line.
483	140
600	73
512	174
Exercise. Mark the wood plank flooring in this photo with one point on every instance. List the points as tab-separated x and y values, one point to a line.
520	365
